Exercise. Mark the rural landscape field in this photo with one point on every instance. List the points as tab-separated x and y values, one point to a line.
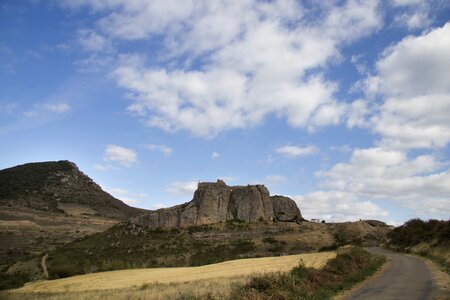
225	149
164	283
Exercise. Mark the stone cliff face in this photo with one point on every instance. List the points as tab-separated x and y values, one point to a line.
285	209
216	202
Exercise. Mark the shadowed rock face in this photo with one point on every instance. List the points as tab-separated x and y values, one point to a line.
216	202
285	209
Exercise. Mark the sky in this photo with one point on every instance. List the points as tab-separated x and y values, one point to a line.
344	106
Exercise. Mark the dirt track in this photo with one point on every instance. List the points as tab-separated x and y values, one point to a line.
406	277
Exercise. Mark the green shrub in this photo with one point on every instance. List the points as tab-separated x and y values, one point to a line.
416	231
340	273
11	281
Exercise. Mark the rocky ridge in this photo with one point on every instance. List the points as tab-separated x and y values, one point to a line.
54	186
216	202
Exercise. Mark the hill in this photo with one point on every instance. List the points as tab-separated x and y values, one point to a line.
58	187
43	205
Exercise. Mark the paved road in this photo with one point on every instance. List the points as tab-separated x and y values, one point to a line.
406	277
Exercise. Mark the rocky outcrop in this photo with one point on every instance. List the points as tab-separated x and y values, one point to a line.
215	202
285	209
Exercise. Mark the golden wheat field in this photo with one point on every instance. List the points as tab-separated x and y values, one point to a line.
161	283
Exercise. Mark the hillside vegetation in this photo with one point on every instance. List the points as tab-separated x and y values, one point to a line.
127	245
428	238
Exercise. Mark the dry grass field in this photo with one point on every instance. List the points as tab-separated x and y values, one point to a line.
214	280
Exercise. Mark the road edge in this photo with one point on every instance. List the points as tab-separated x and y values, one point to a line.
440	278
344	294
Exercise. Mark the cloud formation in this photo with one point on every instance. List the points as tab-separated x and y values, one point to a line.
166	150
413	79
186	188
337	206
421	183
43	109
294	151
210	78
124	156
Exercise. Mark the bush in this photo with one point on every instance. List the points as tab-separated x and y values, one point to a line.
11	281
416	231
340	273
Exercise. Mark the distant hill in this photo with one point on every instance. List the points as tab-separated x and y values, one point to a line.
56	187
46	204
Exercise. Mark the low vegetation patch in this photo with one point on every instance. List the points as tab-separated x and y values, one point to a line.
348	268
8	281
427	238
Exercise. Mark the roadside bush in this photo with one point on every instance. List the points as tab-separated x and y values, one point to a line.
416	231
348	268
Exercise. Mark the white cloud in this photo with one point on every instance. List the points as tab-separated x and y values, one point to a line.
215	155
124	156
337	206
293	151
413	78
93	41
186	188
341	148
414	14
420	183
167	151
357	114
8	108
57	107
118	191
268	60
125	195
104	167
276	179
43	109
158	206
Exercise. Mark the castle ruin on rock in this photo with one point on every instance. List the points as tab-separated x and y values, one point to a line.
216	202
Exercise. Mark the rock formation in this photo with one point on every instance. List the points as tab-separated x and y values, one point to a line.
215	202
285	209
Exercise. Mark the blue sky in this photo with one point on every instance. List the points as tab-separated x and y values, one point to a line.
343	106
